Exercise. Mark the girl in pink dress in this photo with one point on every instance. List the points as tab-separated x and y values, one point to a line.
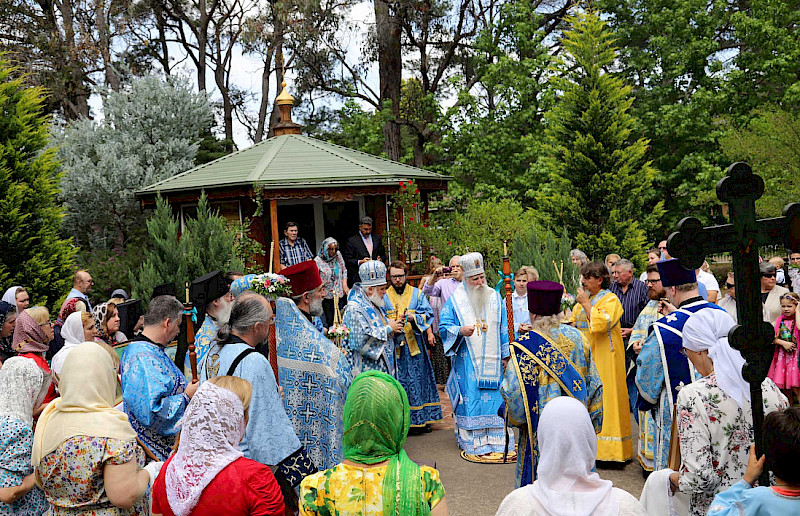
785	370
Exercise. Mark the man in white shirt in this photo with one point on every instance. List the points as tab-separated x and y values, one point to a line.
711	283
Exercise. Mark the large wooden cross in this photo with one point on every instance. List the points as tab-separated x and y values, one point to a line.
740	188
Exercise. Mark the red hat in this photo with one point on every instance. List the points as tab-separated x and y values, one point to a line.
303	276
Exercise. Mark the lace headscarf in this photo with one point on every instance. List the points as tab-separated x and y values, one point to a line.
23	386
376	422
88	386
6	343
29	337
708	330
565	484
213	426
72	333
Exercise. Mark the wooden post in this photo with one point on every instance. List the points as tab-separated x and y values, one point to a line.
509	302
273	219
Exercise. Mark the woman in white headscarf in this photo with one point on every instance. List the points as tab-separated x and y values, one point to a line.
77	329
23	386
565	484
715	420
17	296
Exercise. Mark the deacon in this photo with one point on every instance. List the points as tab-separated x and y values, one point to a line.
548	361
269	437
658	385
408	305
370	344
313	371
211	296
154	390
474	328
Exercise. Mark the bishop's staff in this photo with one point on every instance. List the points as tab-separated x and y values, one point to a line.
189	317
272	341
507	281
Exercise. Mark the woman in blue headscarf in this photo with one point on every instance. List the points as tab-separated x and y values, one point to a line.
334	277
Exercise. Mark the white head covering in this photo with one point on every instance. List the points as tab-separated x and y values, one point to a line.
372	273
213	426
565	484
708	330
11	296
72	333
23	386
471	264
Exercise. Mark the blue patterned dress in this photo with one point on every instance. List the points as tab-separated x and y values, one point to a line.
370	343
16	444
152	392
414	368
315	376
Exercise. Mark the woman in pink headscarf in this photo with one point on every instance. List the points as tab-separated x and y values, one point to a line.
209	471
32	335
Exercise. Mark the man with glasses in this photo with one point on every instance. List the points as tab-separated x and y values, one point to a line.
728	303
410	307
648	315
662	246
445	280
81	285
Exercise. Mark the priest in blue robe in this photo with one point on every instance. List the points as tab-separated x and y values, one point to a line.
154	390
313	371
474	328
408	305
211	296
370	345
658	385
548	361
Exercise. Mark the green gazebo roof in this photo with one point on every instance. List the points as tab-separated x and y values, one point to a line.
294	161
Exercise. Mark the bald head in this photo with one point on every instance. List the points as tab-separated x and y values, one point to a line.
82	281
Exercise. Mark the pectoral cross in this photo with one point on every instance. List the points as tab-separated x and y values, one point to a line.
740	188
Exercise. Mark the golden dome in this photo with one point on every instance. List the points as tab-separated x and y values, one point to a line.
284	98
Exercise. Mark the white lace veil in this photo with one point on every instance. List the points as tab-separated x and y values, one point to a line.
23	386
212	428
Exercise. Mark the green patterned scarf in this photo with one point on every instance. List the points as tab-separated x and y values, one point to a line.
376	421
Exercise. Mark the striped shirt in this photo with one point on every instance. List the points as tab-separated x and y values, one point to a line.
294	254
633	301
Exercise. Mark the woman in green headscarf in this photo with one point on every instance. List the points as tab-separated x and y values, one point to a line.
376	477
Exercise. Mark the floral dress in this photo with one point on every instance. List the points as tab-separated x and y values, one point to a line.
16	444
715	437
347	490
784	370
72	476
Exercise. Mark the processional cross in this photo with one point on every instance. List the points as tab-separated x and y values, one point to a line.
740	188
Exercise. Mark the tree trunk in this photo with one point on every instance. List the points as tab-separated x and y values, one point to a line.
263	109
104	42
390	71
76	93
275	115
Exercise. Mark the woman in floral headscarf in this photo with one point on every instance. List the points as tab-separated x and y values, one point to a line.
8	319
377	477
106	319
32	336
69	307
334	277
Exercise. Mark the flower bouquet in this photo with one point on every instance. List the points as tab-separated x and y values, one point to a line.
272	286
567	302
338	332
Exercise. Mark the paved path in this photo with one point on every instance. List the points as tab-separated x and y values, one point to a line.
478	489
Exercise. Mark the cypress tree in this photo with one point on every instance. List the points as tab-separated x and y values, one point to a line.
598	175
31	252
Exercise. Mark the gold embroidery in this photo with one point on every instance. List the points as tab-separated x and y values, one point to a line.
213	365
577	385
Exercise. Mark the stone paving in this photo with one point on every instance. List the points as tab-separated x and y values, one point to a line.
478	489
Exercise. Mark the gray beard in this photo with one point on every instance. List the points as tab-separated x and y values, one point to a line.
376	300
479	298
315	307
223	315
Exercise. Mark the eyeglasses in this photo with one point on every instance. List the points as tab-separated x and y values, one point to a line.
398	276
663	247
771	275
729	285
47	324
652	281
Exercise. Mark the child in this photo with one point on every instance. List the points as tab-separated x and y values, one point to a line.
519	298
784	370
782	446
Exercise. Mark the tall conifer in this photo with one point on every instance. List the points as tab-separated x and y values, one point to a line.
31	252
598	173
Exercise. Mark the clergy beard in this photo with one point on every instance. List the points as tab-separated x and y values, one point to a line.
315	307
376	299
479	298
655	295
223	314
399	290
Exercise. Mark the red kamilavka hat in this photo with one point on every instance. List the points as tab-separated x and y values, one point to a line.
303	276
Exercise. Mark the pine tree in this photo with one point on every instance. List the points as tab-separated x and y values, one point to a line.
32	253
209	242
598	175
544	250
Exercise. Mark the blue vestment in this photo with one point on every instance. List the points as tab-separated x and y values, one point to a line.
315	375
204	338
269	437
474	382
661	369
542	369
370	344
414	368
152	392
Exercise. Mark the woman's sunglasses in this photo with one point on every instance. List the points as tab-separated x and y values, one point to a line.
770	275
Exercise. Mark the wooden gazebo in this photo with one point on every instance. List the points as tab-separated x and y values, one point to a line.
323	187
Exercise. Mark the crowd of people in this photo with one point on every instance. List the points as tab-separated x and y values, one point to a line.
99	422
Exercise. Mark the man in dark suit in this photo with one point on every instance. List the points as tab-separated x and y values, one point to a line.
363	246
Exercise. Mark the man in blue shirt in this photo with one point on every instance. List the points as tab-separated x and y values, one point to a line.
293	249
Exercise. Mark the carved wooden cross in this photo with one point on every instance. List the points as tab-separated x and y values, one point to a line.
740	189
